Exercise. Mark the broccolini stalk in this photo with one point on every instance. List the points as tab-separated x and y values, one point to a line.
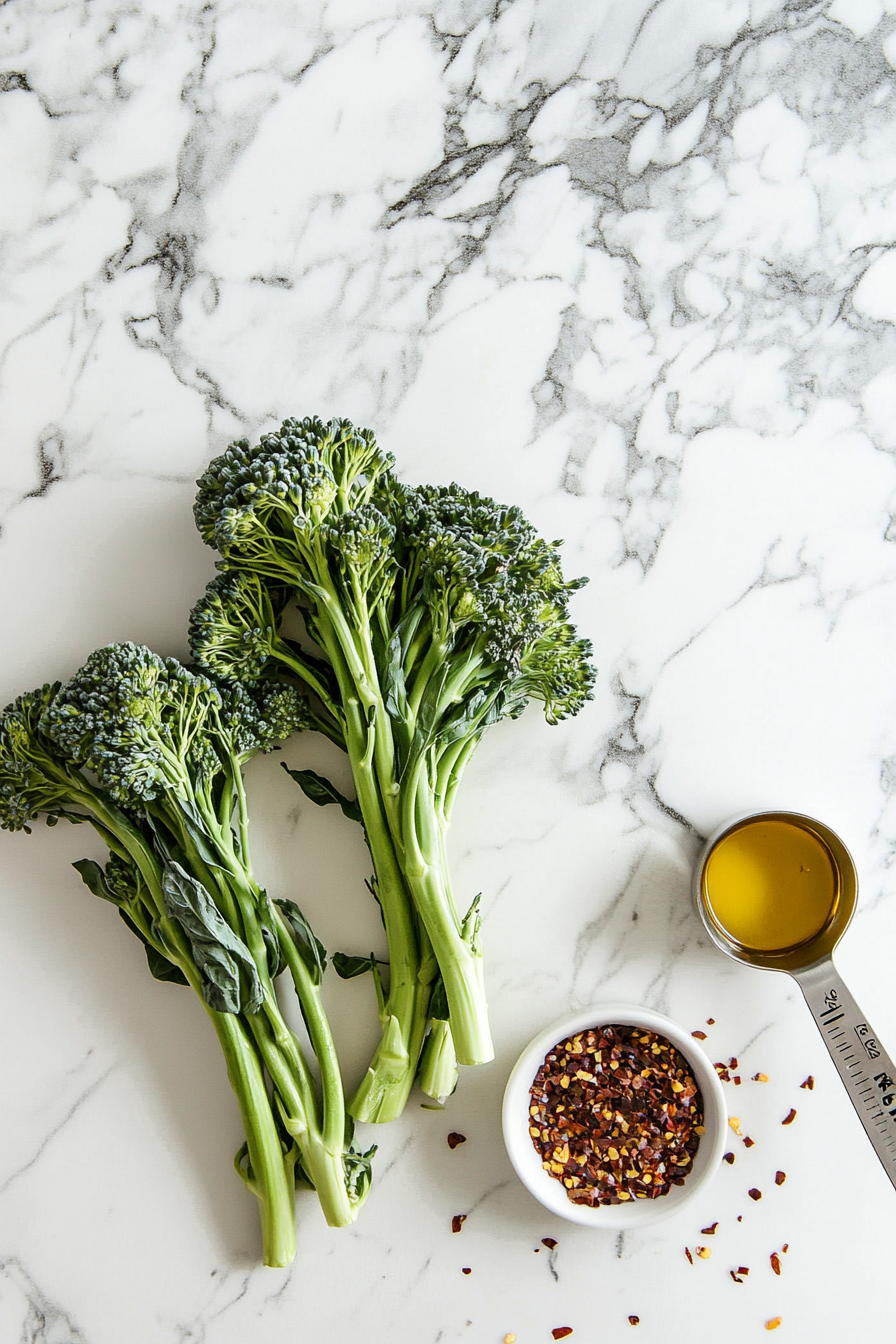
152	754
435	612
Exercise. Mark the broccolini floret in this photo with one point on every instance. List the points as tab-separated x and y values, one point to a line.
434	612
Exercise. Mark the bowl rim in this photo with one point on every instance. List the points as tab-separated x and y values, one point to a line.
524	1157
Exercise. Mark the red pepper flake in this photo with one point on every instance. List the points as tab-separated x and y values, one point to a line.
780	1178
729	1158
775	1260
561	1331
786	1247
773	1323
538	1250
748	1142
700	1035
454	1139
549	1242
710	1021
760	1077
732	1063
458	1221
734	1276
689	1256
742	1269
754	1193
737	1080
634	1320
789	1117
740	1217
466	1271
615	1115
809	1083
722	1072
709	1231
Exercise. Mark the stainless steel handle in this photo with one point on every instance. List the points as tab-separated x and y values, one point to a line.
867	1071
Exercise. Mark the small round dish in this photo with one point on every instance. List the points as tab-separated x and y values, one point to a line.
525	1158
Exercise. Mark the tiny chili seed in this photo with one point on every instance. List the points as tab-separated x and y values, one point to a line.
773	1323
455	1139
789	1117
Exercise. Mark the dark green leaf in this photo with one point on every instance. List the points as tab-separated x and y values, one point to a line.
438	1004
309	947
322	792
94	879
358	1173
347	968
268	925
230	979
159	966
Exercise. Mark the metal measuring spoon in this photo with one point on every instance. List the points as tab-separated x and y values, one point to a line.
867	1071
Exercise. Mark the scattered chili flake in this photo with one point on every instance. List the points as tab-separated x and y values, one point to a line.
737	1080
760	1077
709	1231
689	1256
809	1083
634	1320
722	1072
710	1021
458	1221
615	1115
734	1122
561	1331
454	1139
786	1247
732	1063
729	1158
780	1178
773	1323
734	1276
742	1269
549	1242
703	1251
510	1339
538	1250
466	1271
754	1193
700	1035
789	1117
748	1142
775	1260
740	1217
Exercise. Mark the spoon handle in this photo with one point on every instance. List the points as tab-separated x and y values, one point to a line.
867	1071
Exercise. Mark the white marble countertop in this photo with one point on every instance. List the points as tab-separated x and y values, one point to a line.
631	267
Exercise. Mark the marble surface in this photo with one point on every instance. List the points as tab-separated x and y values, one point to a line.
630	266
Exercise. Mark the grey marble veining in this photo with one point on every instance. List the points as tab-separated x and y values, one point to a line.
629	266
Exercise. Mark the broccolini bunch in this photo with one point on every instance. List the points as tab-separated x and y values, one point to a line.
432	612
151	754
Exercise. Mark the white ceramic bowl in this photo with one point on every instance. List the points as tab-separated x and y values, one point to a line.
527	1162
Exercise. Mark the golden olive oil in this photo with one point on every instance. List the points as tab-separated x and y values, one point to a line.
771	885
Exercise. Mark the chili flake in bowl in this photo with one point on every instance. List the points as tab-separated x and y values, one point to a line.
615	1117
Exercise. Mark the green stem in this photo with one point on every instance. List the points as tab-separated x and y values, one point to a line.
271	1177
